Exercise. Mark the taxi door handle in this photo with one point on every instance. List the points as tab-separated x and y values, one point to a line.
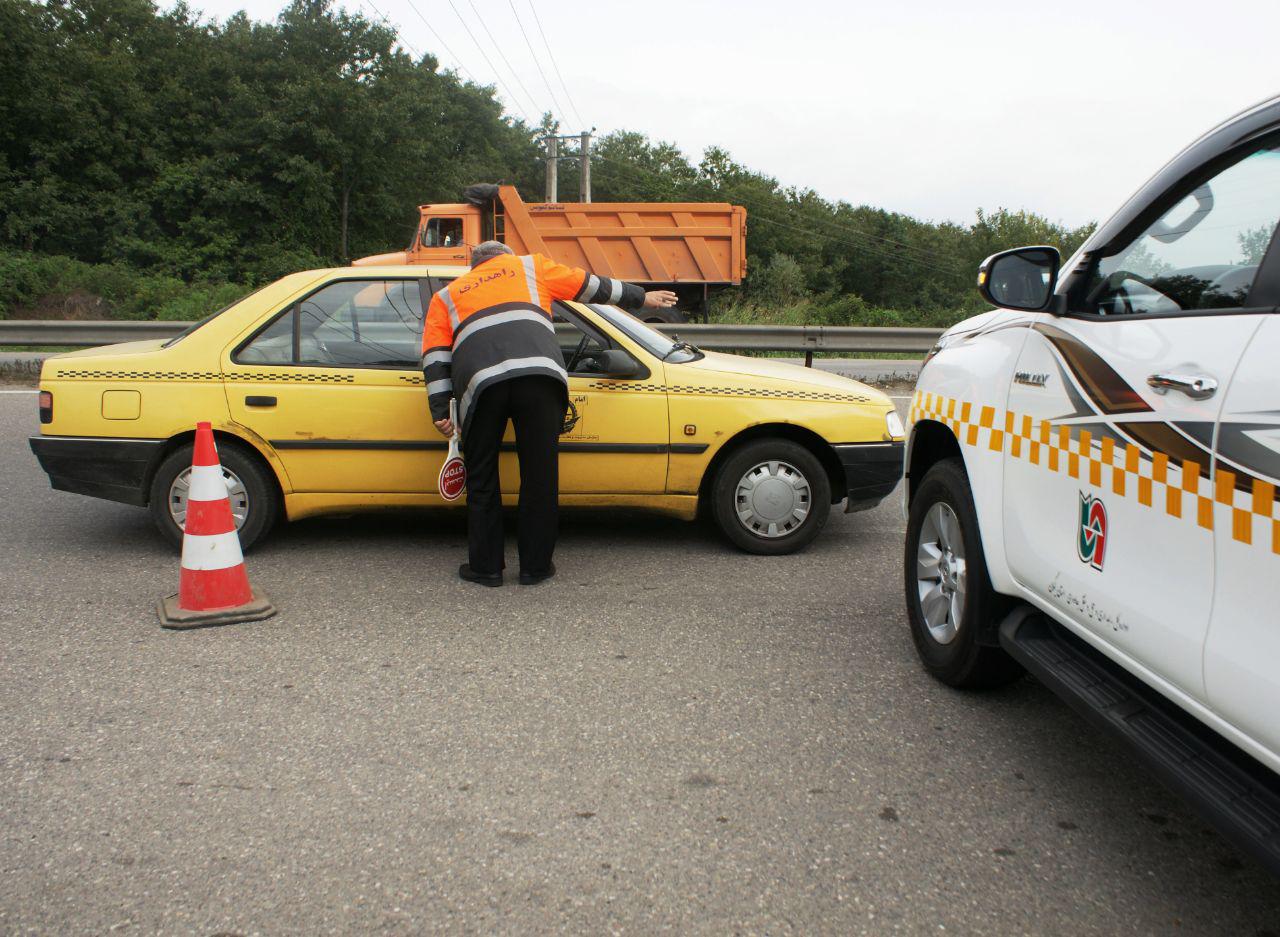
259	401
1195	386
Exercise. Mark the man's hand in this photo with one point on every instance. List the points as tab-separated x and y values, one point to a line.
445	426
659	299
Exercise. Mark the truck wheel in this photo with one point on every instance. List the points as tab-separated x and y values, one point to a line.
659	316
255	502
771	497
948	592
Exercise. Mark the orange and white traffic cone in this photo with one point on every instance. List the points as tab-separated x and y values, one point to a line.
214	587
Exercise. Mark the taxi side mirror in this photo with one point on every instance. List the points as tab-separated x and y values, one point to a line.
611	362
1023	278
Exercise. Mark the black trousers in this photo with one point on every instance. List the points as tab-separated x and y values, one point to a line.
535	405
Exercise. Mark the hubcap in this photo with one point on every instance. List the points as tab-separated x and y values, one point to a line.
773	499
180	489
941	573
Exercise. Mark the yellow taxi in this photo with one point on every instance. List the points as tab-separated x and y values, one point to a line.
314	391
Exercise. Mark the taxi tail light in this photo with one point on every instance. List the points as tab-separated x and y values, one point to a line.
46	406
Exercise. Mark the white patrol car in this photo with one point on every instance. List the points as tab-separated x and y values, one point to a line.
1092	475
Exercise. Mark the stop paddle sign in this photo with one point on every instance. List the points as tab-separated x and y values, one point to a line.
453	474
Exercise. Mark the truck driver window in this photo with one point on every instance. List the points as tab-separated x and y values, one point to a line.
442	232
1205	250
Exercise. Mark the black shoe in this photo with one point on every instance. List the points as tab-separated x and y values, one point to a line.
485	579
532	579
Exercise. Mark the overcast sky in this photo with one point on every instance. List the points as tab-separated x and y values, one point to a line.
930	108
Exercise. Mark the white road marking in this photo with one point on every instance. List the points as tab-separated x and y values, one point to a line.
19	391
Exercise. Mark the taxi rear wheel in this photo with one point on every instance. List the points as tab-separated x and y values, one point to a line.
949	595
255	502
771	497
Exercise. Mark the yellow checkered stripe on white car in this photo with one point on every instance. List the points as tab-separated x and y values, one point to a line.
1155	481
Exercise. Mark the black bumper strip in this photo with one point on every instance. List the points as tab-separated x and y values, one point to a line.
429	445
871	471
114	469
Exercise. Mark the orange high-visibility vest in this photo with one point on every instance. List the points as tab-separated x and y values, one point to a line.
494	323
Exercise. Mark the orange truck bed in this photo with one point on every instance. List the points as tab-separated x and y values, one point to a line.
675	244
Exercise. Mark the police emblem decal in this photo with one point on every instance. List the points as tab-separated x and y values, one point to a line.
1091	540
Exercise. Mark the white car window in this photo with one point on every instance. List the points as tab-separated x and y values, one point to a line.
1204	252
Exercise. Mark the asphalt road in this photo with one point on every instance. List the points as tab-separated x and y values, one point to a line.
670	736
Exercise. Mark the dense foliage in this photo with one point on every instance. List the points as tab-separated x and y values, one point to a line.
144	150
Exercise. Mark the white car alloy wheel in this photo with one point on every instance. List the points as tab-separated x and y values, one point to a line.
772	499
179	490
941	572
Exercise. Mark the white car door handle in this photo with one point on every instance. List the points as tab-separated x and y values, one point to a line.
1195	386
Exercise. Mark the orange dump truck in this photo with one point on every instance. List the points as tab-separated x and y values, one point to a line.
687	247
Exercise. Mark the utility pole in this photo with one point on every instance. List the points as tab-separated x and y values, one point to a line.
553	158
583	156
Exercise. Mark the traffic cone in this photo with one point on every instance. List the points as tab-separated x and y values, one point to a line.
214	587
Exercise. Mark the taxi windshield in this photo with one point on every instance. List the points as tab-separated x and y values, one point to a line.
651	340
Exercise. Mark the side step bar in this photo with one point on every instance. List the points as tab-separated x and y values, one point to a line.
1236	793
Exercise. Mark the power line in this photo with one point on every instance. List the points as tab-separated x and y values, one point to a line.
856	232
444	45
555	65
883	253
536	63
394	28
492	67
498	46
761	216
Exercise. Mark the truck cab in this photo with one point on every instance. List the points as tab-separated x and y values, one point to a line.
446	233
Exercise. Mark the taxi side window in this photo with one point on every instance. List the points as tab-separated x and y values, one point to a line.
577	342
1203	253
351	323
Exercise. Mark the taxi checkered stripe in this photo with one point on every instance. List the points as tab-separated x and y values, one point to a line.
205	376
86	374
1155	481
297	378
726	391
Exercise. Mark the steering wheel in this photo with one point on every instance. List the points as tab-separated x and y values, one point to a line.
1113	283
578	353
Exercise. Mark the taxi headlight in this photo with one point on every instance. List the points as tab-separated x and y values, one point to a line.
893	425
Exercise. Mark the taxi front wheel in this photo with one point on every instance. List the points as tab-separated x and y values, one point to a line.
948	592
772	496
255	504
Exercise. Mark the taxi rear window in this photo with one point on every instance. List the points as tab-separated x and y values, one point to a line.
209	318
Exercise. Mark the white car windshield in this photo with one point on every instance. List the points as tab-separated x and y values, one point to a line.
653	341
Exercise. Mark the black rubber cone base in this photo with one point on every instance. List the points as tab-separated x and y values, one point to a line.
171	616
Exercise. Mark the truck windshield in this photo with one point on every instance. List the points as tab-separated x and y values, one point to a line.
654	342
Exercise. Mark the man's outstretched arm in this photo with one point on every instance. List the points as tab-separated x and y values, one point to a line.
566	282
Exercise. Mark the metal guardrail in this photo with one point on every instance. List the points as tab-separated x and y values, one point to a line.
807	338
803	339
83	334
